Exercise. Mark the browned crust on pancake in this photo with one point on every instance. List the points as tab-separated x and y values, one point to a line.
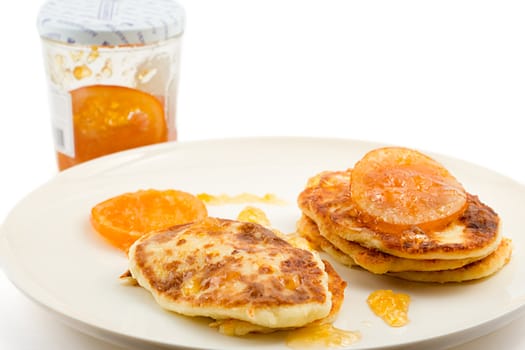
327	200
307	229
480	220
168	277
482	268
336	285
372	260
481	227
478	269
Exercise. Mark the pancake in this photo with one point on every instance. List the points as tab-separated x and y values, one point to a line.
473	271
374	260
478	269
327	201
308	229
227	269
336	285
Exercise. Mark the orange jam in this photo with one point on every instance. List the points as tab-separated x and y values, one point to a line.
321	336
391	307
108	119
255	215
222	199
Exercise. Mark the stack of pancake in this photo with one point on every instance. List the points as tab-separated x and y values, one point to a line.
453	245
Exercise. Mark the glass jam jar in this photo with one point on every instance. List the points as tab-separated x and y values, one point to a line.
112	68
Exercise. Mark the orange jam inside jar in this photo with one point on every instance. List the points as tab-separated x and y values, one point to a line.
113	73
108	119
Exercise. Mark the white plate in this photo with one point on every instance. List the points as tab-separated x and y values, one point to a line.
51	253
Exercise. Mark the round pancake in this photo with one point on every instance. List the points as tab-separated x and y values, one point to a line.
478	269
372	259
229	269
308	229
327	201
336	285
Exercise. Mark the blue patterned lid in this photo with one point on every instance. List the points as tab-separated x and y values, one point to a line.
110	22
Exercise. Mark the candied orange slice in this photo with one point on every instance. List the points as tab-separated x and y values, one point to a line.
125	218
396	188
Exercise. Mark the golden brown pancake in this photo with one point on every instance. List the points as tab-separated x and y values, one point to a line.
475	270
308	229
372	259
336	285
327	201
227	269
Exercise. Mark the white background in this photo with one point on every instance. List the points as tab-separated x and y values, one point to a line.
440	76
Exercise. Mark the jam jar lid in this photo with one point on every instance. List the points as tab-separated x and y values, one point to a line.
110	22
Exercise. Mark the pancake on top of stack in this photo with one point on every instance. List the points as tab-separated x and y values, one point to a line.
401	213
